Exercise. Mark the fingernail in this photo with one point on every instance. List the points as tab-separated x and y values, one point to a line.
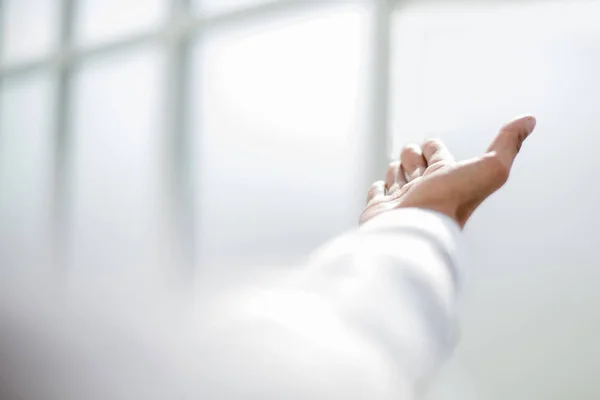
529	121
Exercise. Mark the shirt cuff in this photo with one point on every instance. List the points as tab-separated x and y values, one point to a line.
439	229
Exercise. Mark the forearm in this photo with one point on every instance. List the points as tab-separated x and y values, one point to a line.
395	281
370	317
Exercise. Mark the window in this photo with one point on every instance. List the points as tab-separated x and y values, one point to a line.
101	21
454	68
30	29
186	127
116	159
145	134
213	7
457	70
26	170
277	144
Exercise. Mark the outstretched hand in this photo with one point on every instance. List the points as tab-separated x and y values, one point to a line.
428	177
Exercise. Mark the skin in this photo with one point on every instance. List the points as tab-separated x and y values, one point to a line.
428	177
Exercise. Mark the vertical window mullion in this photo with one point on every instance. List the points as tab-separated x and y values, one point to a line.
62	132
1	50
380	80
177	136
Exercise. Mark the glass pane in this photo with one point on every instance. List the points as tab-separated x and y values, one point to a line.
277	134
26	170
29	28
106	20
223	6
457	70
116	166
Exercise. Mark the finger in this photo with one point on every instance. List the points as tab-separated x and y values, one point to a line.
435	151
478	178
508	142
395	177
377	190
413	162
401	177
392	173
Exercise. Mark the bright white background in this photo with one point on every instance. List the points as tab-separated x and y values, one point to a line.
531	308
149	136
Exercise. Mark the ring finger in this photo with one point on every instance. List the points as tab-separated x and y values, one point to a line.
413	161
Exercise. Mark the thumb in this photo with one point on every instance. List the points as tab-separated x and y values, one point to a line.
480	177
484	175
508	142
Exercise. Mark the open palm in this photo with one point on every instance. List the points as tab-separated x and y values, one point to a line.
428	177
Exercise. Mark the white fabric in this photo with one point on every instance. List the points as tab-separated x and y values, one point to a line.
370	317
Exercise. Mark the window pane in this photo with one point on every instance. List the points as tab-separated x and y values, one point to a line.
223	6
26	170
457	70
30	28
106	20
116	165
277	134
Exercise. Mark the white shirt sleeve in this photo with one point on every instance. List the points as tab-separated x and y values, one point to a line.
370	317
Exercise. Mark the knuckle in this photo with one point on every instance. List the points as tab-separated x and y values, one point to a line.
410	149
432	145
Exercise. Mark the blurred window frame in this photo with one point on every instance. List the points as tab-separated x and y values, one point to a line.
183	26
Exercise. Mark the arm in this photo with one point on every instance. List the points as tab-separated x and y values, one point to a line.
373	315
370	317
395	281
